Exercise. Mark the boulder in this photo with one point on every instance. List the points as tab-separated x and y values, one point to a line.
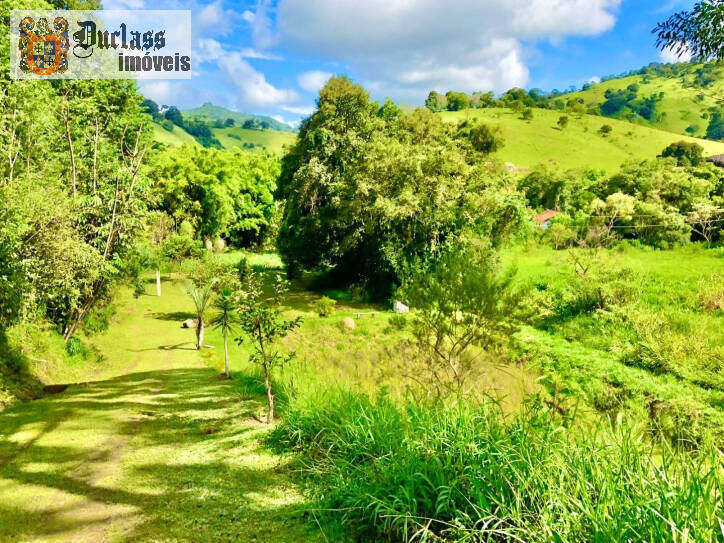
399	307
348	323
189	323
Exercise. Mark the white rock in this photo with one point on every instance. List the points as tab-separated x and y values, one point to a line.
399	307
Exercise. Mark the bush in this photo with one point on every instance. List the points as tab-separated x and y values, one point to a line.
325	306
74	346
685	153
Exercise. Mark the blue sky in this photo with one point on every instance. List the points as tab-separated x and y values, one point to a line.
271	56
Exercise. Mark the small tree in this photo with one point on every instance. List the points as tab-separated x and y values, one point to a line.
605	130
224	320
460	300
705	220
201	296
263	324
527	114
160	228
563	122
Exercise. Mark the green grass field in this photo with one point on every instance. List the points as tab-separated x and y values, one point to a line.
541	141
271	140
679	104
146	420
176	138
146	444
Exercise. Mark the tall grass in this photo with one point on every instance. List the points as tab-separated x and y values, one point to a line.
465	473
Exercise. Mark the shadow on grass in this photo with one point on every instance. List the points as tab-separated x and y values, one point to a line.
161	453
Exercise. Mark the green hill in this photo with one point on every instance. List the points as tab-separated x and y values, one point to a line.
217	113
175	138
689	91
528	143
271	140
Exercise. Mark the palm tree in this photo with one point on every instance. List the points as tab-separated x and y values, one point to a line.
202	297
224	320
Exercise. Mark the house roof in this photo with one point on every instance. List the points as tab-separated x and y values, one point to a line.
718	160
547	215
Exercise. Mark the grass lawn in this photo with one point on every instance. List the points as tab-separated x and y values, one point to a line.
147	445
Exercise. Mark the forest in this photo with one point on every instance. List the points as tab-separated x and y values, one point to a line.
384	333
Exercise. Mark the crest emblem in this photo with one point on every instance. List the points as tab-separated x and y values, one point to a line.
43	51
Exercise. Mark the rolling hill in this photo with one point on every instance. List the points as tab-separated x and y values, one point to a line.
528	143
176	138
217	113
684	102
272	140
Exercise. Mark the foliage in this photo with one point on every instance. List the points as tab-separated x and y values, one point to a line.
262	322
73	192
365	194
605	130
225	320
201	296
685	153
461	302
325	306
698	31
220	193
468	473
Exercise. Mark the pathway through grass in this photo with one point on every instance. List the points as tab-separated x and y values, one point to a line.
153	448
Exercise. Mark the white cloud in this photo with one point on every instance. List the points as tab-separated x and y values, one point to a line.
413	46
314	80
253	87
670	56
160	92
595	80
299	110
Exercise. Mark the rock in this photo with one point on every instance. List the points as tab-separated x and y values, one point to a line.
348	323
401	308
189	323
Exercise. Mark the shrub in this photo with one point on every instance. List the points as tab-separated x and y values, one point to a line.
605	130
685	153
74	346
325	306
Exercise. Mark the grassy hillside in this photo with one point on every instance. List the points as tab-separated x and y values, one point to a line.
684	99
528	143
271	140
176	138
218	113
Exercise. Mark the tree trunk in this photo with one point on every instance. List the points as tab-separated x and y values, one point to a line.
200	334
226	356
158	282
270	399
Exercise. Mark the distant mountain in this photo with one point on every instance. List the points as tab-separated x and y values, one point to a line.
682	98
211	112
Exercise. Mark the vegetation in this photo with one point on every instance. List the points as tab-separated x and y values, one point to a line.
552	369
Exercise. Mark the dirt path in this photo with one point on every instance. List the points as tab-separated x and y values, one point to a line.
154	448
